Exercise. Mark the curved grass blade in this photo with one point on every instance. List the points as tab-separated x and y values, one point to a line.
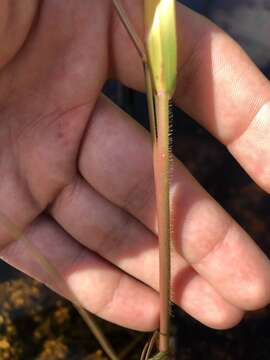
141	51
54	274
143	355
130	29
151	345
131	346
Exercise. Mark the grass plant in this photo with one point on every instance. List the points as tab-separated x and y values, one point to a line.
159	57
158	52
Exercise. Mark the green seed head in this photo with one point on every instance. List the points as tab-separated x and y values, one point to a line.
161	44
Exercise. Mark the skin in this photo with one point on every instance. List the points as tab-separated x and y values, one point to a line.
76	171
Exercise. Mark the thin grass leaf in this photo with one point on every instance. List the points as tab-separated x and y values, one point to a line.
54	275
130	29
130	347
151	345
144	352
151	103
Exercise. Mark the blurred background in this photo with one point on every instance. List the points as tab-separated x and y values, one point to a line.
37	324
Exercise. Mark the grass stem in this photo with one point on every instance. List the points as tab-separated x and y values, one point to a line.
161	172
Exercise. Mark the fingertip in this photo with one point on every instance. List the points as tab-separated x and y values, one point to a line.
256	294
224	319
200	300
251	148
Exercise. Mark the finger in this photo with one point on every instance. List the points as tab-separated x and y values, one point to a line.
99	286
117	236
17	202
218	85
116	160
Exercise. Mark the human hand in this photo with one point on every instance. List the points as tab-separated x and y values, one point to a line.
76	171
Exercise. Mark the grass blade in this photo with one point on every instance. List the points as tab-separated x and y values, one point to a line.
54	274
151	104
130	29
151	345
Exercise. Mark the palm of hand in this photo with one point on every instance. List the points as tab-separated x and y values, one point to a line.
90	208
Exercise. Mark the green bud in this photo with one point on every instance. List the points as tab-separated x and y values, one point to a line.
161	44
